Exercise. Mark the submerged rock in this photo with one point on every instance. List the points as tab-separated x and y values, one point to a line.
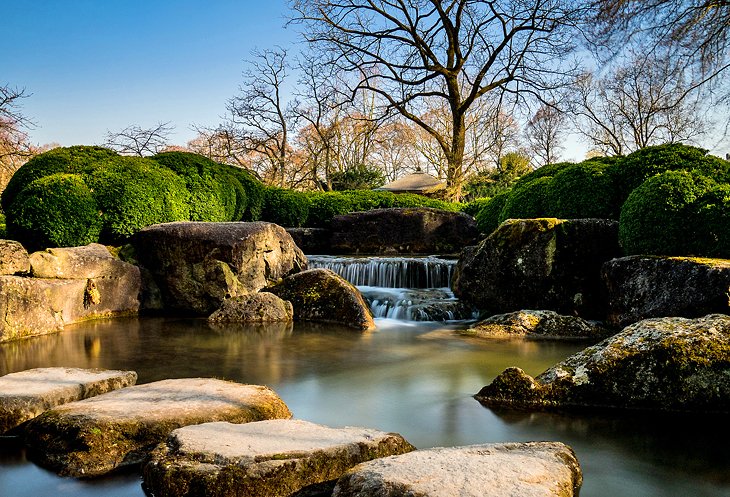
402	231
277	458
641	287
13	258
673	364
321	295
27	394
95	436
198	265
255	308
495	470
535	324
550	264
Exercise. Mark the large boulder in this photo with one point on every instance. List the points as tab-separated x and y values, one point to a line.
199	265
534	469
547	263
641	287
312	240
277	458
255	308
536	325
402	231
322	295
672	364
26	394
13	258
69	285
95	436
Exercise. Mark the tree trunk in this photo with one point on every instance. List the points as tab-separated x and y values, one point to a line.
455	160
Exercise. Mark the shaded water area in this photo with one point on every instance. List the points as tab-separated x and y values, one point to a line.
414	378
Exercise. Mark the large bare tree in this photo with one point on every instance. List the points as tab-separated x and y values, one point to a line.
15	147
412	52
545	133
139	141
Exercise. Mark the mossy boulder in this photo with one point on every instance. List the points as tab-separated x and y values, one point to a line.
539	325
641	287
95	436
670	364
277	458
255	308
550	264
321	295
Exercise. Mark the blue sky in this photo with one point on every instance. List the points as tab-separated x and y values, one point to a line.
98	65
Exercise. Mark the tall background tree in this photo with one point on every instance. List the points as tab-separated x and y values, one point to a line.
139	141
15	147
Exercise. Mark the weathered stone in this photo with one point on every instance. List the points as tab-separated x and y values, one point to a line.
265	459
254	308
89	261
536	324
673	364
539	264
94	436
321	295
198	265
402	231
26	394
544	469
641	287
312	240
13	258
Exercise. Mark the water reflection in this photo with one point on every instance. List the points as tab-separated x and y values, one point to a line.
414	379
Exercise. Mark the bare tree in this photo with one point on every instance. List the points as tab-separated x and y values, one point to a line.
545	135
457	51
15	147
260	112
224	144
139	141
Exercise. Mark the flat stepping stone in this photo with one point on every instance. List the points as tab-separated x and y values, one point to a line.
26	394
95	436
534	469
269	458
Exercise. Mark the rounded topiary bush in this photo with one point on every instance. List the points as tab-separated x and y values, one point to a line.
286	208
58	210
528	200
323	206
711	223
472	208
365	200
548	170
133	193
584	190
59	160
489	216
255	193
655	219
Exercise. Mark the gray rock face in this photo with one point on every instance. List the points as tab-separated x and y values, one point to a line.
321	295
641	287
198	265
255	308
312	240
673	364
275	458
544	469
94	436
26	394
537	325
402	231
539	264
13	258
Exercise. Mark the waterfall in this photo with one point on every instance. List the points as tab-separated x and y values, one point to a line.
403	288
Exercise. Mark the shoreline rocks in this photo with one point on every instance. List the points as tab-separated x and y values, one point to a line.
14	258
536	325
260	307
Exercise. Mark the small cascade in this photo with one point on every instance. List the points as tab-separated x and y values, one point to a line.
402	288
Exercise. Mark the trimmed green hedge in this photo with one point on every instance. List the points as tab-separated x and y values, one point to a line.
54	211
584	190
365	200
489	216
710	221
255	193
286	208
527	200
324	206
472	208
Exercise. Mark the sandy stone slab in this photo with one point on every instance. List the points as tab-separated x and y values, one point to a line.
534	469
269	458
26	394
95	436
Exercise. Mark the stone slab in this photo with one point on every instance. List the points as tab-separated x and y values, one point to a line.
27	394
534	469
13	258
275	458
95	436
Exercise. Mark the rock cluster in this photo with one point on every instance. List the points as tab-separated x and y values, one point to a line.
536	325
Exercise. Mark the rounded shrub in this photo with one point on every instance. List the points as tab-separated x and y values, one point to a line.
365	200
655	219
489	216
548	170
584	190
133	193
59	160
528	200
286	208
711	223
473	207
255	193
58	210
323	206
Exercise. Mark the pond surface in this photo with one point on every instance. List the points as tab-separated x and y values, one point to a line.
413	378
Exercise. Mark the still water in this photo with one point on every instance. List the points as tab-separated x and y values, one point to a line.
413	378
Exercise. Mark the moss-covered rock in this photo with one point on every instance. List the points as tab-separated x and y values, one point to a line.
672	364
538	325
255	308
